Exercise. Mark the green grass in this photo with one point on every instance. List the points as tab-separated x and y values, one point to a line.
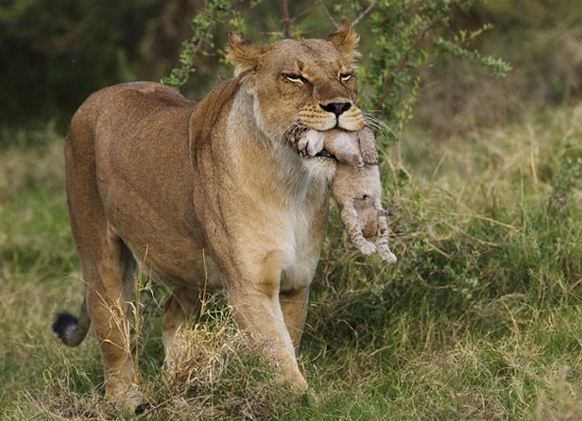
480	318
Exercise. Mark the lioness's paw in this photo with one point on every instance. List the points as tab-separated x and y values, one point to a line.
127	398
141	408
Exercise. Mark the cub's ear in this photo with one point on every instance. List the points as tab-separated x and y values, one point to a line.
345	40
244	54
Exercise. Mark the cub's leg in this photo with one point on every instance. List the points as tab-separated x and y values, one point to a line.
181	310
368	146
254	297
351	220
382	242
294	307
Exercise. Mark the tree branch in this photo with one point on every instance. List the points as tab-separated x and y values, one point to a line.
285	18
328	13
418	38
365	13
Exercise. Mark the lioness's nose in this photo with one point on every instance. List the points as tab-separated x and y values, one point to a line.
336	107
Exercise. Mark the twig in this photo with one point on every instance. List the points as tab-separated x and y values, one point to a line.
328	13
419	37
365	13
285	18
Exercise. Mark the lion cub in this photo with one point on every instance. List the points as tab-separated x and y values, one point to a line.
356	186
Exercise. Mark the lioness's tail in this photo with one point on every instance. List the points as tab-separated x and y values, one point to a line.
70	329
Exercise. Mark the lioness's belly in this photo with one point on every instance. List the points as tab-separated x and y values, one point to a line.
167	248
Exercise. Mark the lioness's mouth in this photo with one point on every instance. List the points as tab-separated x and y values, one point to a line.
321	154
324	154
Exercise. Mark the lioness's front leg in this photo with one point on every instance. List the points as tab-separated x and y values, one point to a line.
257	311
182	307
294	307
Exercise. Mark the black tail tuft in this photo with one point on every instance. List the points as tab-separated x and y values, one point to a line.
64	325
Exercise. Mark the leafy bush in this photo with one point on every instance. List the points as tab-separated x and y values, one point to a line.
400	38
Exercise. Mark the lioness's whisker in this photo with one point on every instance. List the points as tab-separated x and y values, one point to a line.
378	124
291	134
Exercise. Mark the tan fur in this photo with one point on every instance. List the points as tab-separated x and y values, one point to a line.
208	196
353	148
356	187
344	146
358	193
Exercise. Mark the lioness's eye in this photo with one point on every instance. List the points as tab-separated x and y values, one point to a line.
293	77
344	77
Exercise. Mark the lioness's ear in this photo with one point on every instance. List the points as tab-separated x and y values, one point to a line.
244	54
345	40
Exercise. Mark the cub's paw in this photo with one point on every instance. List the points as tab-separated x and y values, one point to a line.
387	255
302	146
311	143
367	248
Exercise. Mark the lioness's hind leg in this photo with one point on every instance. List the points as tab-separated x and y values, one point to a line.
107	305
105	262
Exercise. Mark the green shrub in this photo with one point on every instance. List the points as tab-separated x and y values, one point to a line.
400	39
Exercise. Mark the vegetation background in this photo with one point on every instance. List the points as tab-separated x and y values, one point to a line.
481	317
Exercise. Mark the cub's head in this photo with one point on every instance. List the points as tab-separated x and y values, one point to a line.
300	84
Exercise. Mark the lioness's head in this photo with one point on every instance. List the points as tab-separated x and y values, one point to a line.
306	84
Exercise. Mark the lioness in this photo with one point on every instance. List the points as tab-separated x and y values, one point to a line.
208	195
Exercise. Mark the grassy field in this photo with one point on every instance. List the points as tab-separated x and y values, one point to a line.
481	318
